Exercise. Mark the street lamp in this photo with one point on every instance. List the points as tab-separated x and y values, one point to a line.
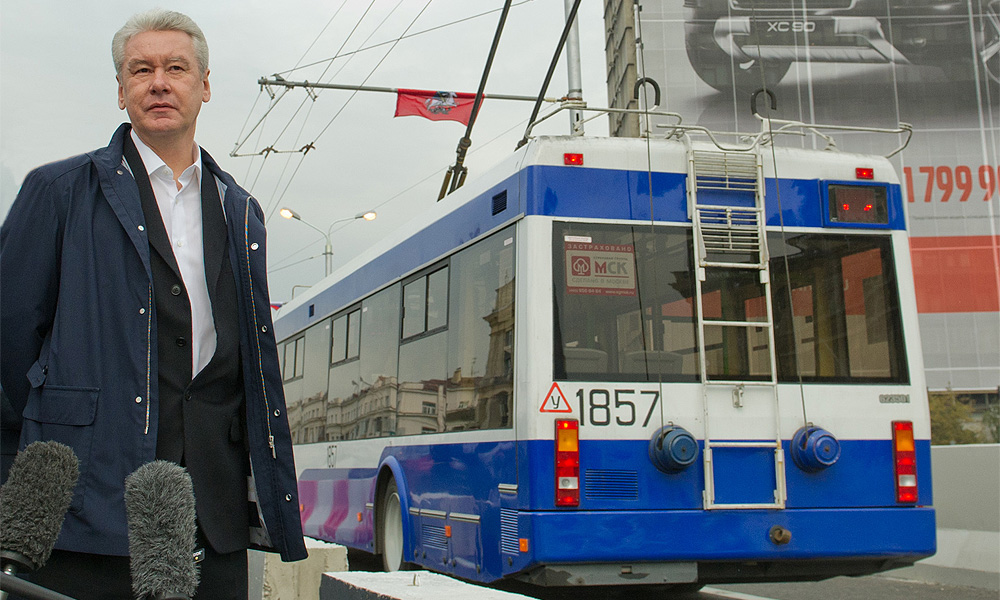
328	251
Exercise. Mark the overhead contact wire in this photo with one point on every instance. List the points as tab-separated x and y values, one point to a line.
277	199
393	47
404	37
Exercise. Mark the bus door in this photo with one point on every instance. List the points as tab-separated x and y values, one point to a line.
743	457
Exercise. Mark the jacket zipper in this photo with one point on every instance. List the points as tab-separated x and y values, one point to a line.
149	351
256	327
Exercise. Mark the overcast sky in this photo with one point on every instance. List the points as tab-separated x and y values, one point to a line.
58	98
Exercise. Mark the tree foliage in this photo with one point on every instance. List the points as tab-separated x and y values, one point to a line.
949	415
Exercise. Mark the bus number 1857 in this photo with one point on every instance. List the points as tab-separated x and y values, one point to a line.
597	407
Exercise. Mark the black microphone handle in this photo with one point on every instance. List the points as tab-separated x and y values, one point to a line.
28	590
14	562
11	563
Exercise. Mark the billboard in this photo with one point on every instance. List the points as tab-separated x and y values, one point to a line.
932	63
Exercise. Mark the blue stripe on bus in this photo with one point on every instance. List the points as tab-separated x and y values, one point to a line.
863	477
554	192
597	194
628	509
739	535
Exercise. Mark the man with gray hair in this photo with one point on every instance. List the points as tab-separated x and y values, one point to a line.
136	326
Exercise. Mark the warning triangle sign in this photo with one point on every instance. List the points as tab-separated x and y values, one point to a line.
555	401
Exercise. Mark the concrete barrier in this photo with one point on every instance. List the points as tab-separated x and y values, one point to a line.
404	585
967	503
276	580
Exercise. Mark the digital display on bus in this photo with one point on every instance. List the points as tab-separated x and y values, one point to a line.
865	204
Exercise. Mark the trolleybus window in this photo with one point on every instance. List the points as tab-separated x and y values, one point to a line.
844	323
463	371
425	303
453	372
346	336
481	335
293	361
624	308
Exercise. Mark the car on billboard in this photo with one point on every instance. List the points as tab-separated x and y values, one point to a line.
746	43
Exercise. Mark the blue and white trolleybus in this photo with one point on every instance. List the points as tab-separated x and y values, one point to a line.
623	361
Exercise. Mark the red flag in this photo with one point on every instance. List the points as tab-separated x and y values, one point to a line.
436	106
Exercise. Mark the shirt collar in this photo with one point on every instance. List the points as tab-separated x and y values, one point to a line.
153	162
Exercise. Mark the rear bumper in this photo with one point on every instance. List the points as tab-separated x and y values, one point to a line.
876	534
849	39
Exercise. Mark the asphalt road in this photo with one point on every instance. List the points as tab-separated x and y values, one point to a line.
876	587
838	588
846	588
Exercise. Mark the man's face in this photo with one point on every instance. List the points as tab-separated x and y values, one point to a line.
161	86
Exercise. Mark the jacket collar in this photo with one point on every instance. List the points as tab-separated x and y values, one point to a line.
123	195
110	157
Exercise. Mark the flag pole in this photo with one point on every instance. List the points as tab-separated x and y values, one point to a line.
455	177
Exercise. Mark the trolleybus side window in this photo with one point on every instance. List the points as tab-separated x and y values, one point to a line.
345	343
306	360
380	337
287	360
481	335
425	303
293	363
453	373
461	377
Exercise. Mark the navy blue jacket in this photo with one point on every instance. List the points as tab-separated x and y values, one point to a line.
78	342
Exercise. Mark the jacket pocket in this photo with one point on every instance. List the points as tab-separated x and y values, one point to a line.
64	414
63	405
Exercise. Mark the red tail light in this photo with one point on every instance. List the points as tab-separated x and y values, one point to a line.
567	463
864	173
573	159
905	459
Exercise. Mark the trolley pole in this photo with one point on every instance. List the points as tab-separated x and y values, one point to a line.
455	177
574	71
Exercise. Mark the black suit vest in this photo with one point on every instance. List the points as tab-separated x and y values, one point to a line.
201	422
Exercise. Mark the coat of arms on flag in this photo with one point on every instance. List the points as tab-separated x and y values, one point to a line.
436	106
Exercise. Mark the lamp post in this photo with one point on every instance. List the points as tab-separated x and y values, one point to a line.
328	251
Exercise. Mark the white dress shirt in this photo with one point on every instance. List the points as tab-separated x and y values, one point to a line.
181	214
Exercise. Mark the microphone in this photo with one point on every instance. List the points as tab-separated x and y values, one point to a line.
33	504
159	503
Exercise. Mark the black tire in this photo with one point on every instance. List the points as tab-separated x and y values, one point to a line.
390	529
721	71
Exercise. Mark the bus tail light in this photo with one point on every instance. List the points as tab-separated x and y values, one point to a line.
905	460
567	463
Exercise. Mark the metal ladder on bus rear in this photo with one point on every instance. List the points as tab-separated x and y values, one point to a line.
725	232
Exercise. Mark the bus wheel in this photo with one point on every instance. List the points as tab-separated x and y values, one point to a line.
391	530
